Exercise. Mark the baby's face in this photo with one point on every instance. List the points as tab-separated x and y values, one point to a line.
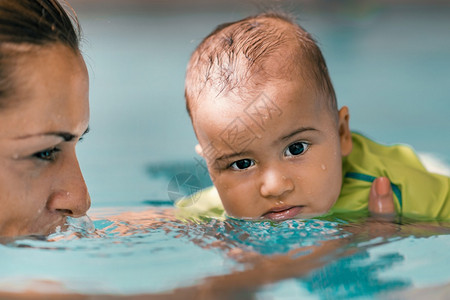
276	157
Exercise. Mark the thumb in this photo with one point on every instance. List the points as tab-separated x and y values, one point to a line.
381	199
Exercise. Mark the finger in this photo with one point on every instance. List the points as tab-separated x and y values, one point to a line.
381	199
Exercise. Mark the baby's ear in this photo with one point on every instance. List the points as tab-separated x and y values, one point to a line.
344	131
199	150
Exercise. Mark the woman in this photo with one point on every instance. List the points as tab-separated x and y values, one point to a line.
44	112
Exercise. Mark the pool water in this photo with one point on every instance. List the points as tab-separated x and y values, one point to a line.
389	64
151	252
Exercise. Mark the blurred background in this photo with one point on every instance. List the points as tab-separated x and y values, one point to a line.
389	62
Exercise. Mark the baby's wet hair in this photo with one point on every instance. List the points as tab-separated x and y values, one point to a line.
234	59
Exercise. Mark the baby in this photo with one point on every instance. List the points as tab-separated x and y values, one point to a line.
276	145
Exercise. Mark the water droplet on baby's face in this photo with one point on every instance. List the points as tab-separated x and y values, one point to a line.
280	202
323	167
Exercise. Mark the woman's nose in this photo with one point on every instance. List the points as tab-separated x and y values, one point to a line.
70	195
275	183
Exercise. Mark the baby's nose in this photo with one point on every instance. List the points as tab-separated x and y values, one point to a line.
275	184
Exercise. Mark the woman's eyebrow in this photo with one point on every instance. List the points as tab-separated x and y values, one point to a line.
66	136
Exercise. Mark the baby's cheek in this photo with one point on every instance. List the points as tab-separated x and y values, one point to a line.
333	191
240	202
234	197
227	195
332	171
327	186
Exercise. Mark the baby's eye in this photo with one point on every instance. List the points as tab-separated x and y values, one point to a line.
48	154
296	148
242	164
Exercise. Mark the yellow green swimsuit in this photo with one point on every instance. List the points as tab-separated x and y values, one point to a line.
417	192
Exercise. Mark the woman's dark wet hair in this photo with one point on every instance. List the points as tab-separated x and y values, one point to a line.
25	23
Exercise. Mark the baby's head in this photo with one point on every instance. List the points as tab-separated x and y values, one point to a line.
265	115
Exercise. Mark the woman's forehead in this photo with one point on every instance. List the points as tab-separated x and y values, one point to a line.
51	93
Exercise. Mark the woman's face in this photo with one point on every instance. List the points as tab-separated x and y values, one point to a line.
44	118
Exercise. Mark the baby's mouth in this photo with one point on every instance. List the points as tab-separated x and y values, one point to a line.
282	213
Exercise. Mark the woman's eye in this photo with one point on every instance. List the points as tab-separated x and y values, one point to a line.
297	148
48	154
242	164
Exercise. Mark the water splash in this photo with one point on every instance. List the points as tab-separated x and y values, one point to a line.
83	224
74	227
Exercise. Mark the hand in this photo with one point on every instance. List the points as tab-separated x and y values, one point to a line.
381	200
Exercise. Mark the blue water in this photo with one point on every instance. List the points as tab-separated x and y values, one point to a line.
389	64
150	252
